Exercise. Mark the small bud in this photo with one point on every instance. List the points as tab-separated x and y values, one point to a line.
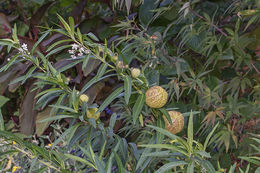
135	72
92	113
84	98
120	64
114	58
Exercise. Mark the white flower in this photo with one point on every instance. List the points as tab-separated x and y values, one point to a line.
71	51
8	59
73	56
75	46
24	46
81	50
20	50
80	54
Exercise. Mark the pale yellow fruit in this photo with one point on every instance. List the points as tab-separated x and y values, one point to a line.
91	113
84	98
156	97
135	72
177	122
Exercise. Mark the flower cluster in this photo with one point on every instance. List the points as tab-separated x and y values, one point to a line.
120	64
77	50
24	50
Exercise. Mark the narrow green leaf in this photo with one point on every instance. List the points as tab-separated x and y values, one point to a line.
110	98
100	167
169	166
64	108
166	146
64	134
93	81
9	152
165	132
112	120
208	166
80	160
190	132
72	132
166	114
29	74
209	136
92	36
119	162
48	90
79	36
190	168
65	24
101	71
57	49
57	43
3	100
70	65
39	41
110	160
204	154
57	117
138	107
127	88
2	124
85	61
11	62
158	154
72	26
102	150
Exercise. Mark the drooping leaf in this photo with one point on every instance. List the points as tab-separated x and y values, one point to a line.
110	98
169	166
3	100
145	13
138	107
127	88
41	126
28	113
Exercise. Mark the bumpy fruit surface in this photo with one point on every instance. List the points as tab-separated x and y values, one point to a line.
84	98
91	113
177	122
156	97
135	72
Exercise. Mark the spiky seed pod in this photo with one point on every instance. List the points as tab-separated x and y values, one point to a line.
177	122
135	72
91	113
84	98
156	97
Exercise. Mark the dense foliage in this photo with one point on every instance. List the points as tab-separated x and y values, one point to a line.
130	86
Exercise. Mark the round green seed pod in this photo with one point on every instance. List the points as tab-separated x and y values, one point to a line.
135	72
156	97
177	122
